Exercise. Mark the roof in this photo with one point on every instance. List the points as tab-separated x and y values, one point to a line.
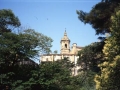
65	37
79	47
57	54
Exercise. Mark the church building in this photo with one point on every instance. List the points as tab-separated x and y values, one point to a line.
65	51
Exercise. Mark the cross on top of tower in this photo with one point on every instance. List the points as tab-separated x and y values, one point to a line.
65	34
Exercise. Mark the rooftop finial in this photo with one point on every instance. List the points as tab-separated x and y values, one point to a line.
65	34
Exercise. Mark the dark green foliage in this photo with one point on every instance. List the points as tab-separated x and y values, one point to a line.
83	81
99	16
51	76
8	21
91	56
16	48
108	79
100	19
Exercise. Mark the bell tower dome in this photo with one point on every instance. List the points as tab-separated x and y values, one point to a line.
65	44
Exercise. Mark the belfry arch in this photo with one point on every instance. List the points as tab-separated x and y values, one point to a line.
65	44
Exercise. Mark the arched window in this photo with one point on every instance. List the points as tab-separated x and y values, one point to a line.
65	45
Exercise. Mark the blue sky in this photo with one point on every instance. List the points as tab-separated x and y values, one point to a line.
51	17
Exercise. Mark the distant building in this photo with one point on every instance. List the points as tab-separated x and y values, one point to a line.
66	51
27	62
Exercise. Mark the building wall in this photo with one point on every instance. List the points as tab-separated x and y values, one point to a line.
54	57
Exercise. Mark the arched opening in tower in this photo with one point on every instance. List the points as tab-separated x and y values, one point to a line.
65	45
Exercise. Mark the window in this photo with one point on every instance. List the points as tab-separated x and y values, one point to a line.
65	45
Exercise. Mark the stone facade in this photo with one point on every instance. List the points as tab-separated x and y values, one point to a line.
65	52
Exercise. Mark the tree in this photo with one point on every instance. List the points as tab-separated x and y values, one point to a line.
90	56
26	45
108	79
8	21
99	16
55	52
16	47
51	76
35	41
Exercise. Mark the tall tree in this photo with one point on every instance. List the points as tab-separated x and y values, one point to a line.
16	47
109	77
99	16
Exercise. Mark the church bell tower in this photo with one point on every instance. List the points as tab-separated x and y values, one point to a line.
65	44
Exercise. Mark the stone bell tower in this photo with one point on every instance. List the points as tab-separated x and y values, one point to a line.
65	44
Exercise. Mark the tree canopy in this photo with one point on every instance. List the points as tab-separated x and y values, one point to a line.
99	16
109	77
8	21
90	56
18	47
104	17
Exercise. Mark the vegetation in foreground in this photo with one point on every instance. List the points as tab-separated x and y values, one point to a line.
100	60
